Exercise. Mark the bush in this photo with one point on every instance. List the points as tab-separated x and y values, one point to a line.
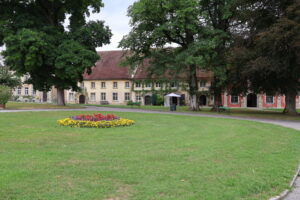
131	103
5	94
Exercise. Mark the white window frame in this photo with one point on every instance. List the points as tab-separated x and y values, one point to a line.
232	102
103	85
267	97
71	96
138	84
138	98
115	85
115	94
93	96
127	84
202	83
148	85
19	91
127	96
103	96
158	84
93	85
26	91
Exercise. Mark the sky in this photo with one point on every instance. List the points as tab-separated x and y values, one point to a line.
114	13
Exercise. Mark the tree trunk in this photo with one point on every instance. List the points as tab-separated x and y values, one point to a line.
217	101
290	103
44	96
60	97
193	88
194	104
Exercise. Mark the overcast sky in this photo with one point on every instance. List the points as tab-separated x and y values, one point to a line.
114	14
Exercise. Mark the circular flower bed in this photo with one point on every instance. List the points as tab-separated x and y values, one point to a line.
95	121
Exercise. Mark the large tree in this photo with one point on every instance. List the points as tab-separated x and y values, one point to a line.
266	58
37	43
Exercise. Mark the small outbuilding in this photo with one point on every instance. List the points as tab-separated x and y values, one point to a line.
172	99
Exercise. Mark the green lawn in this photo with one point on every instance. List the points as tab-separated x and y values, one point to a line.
160	157
31	106
241	112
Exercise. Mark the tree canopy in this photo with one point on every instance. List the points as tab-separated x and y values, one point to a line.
37	42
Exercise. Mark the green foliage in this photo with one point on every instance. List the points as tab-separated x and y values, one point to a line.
131	103
7	78
38	44
5	94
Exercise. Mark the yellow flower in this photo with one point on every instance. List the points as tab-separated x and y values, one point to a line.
95	124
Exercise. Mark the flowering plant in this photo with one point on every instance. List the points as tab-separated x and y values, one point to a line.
95	121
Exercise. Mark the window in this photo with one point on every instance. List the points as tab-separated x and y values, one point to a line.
19	90
202	83
93	96
71	96
269	99
137	84
127	85
26	91
158	85
115	96
103	96
103	85
234	99
173	85
148	85
115	85
93	85
138	98
127	96
82	85
33	92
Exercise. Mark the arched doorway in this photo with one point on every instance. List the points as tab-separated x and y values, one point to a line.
81	99
203	100
148	100
252	100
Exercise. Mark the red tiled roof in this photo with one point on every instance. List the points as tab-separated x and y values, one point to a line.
142	73
108	68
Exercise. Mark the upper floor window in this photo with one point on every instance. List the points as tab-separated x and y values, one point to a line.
234	99
202	83
26	91
93	85
158	84
103	85
115	85
173	84
127	85
137	84
148	85
82	85
269	99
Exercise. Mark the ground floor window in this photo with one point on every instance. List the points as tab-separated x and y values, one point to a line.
138	98
234	99
93	96
115	96
71	96
103	96
127	96
19	90
269	99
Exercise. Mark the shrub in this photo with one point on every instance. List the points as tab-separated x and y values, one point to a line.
5	94
131	103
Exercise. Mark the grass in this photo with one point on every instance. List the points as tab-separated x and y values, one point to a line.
160	157
31	106
240	112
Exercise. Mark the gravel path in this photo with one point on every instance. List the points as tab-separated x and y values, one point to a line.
293	195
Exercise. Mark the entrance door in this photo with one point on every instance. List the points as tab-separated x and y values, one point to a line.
82	99
203	100
148	100
174	100
252	100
